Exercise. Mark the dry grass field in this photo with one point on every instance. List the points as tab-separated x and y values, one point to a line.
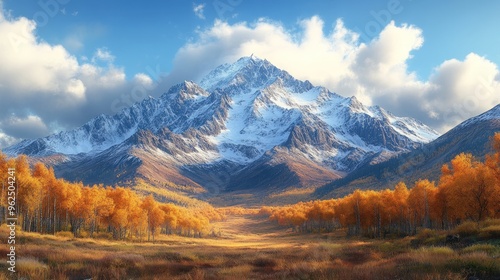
250	247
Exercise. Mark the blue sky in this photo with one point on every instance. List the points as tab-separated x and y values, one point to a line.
409	56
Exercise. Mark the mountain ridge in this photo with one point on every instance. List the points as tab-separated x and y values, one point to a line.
471	136
242	118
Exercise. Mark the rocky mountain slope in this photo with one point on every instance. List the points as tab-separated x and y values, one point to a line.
472	136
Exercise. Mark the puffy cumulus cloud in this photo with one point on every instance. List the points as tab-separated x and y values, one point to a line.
382	63
376	72
44	88
143	80
460	89
457	90
30	66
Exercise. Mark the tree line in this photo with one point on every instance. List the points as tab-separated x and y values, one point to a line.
46	204
468	189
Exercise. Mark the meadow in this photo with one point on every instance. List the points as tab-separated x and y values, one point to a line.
249	246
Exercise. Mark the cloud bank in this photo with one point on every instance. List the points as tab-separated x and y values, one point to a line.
375	72
43	88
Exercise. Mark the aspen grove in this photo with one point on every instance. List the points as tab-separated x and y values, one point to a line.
46	204
468	189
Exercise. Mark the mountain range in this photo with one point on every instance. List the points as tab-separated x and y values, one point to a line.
471	136
245	127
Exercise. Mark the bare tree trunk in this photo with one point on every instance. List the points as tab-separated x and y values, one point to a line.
55	215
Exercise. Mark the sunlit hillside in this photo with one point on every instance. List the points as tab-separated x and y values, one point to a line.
431	230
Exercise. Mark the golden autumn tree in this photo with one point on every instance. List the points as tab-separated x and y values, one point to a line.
470	187
349	211
47	198
28	192
46	204
389	210
102	208
171	217
118	219
76	208
155	216
419	200
493	162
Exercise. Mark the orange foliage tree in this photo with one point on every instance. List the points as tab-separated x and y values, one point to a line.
46	204
467	190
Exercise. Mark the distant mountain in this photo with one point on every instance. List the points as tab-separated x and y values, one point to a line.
472	136
246	125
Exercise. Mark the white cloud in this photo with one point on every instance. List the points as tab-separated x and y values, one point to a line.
24	127
382	63
29	65
460	89
143	80
6	140
376	72
44	87
199	10
103	54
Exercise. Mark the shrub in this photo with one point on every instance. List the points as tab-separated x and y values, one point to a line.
428	237
490	232
426	233
477	265
436	240
32	268
84	234
487	248
437	250
391	248
468	228
103	235
65	234
490	222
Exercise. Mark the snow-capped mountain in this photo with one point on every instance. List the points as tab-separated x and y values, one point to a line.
243	119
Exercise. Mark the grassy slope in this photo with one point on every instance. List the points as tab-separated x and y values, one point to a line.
250	247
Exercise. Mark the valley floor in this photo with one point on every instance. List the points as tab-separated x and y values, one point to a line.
249	247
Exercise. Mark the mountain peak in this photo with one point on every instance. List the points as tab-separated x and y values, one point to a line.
187	90
244	70
250	59
230	121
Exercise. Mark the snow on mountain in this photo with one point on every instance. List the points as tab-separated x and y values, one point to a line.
492	114
237	114
473	136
